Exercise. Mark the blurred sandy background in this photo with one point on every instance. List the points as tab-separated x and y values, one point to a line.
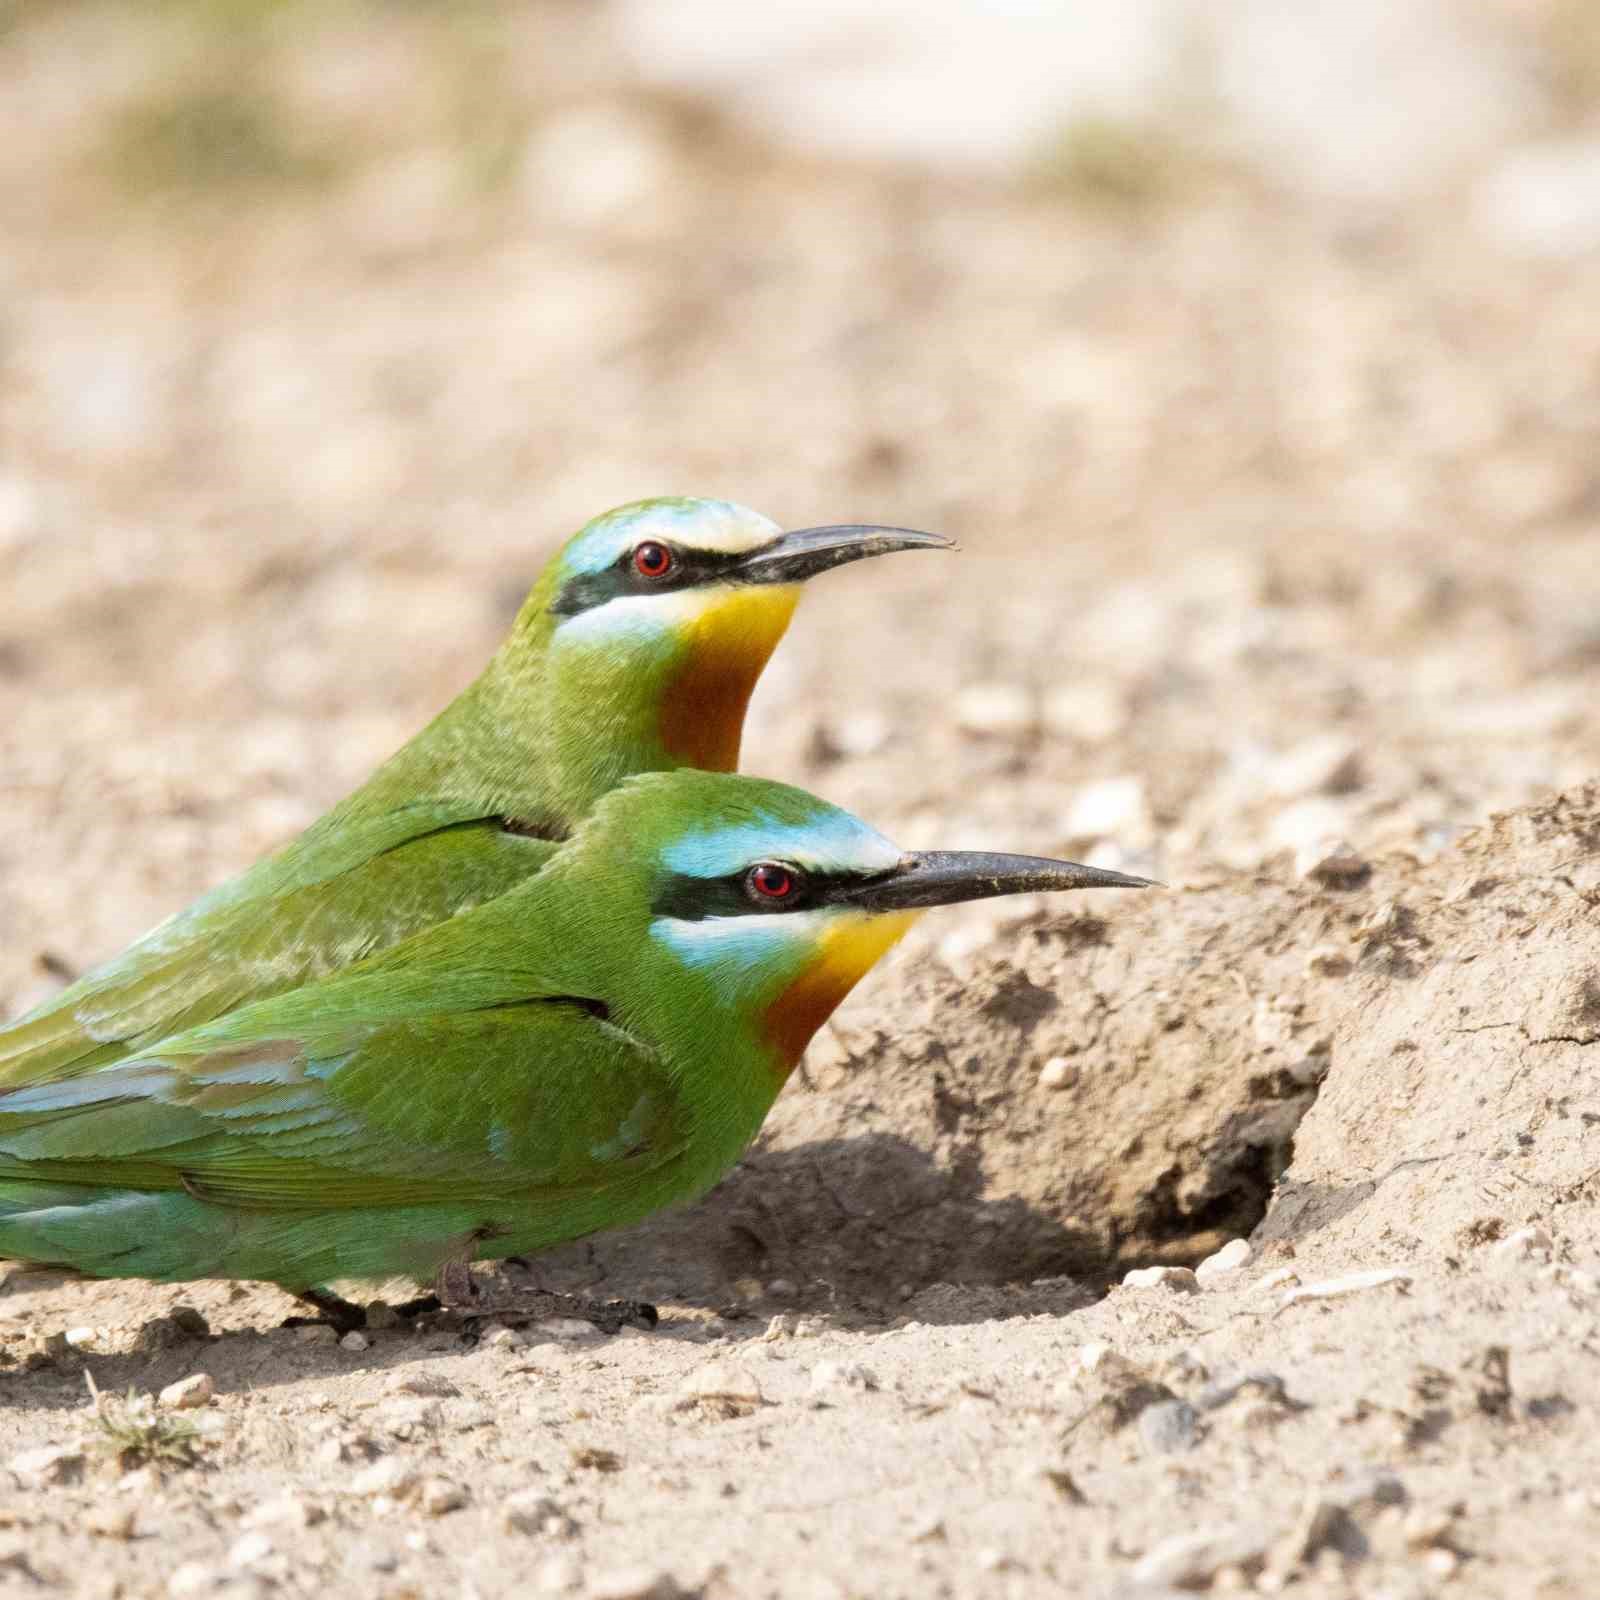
1251	351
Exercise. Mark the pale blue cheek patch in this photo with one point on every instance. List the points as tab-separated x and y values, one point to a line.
737	947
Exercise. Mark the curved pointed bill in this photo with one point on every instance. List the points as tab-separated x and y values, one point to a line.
946	877
794	557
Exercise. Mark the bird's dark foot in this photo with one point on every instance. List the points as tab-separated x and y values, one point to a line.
455	1289
420	1307
340	1315
539	1305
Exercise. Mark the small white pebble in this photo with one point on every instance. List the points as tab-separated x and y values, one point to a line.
995	710
1057	1073
193	1577
842	1375
1109	806
1278	1278
534	1512
557	1575
864	733
285	1511
1090	711
720	1380
187	1393
355	1340
1522	1243
1093	1356
959	948
82	1338
1188	1560
438	1496
1326	763
390	1476
1233	1256
1441	1562
1182	1279
1350	1283
249	1548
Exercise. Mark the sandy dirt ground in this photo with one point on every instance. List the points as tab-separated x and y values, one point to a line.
1279	581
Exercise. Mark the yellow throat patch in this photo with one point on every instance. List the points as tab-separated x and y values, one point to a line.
727	644
844	957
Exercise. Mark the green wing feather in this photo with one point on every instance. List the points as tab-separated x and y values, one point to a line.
498	1102
365	1125
329	900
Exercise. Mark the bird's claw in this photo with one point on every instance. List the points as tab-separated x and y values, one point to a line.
539	1305
332	1312
455	1289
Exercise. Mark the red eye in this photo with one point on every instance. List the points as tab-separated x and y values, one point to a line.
652	560
770	881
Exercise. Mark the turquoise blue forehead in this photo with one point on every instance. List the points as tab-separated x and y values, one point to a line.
830	841
699	524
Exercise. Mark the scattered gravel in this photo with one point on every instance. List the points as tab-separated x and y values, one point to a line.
1278	525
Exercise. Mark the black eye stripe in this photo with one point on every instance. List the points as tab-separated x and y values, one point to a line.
690	569
692	899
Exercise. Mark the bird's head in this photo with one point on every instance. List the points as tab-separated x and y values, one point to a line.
670	609
778	902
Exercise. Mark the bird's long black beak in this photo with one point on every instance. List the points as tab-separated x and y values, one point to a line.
945	877
794	557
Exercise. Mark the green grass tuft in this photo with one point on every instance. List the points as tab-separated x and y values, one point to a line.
1113	162
205	136
135	1433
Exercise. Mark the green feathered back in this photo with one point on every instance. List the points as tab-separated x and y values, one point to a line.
424	838
521	1074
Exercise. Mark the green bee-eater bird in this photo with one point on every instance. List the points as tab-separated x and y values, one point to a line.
636	651
601	1041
